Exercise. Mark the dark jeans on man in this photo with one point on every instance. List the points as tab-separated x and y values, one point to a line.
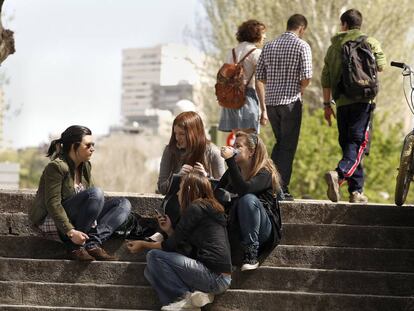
353	127
285	121
89	205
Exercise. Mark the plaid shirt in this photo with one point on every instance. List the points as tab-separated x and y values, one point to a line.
284	62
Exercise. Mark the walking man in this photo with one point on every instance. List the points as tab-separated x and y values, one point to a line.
353	114
285	67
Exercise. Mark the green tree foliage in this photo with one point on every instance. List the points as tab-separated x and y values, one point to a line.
31	160
389	21
319	151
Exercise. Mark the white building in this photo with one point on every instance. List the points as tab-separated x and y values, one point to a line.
158	77
9	175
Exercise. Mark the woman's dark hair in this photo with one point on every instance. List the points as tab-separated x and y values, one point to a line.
353	19
73	135
250	31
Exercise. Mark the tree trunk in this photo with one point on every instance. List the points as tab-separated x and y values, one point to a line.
6	39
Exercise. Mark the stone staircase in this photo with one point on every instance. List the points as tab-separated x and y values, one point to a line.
332	257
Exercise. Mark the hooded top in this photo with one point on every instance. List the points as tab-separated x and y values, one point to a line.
332	69
203	229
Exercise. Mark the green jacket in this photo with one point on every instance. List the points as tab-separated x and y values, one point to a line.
332	69
55	186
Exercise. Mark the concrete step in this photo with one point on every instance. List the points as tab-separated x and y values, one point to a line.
87	295
348	236
326	212
46	308
247	300
342	258
317	257
133	297
299	211
315	234
326	281
289	279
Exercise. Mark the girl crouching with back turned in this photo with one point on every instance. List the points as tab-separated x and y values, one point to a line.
67	198
194	263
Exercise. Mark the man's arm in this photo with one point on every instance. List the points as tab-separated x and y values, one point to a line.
328	111
303	85
260	89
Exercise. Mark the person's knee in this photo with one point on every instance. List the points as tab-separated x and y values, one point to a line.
96	200
125	206
248	201
96	194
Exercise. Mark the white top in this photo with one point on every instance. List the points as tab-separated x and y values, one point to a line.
249	63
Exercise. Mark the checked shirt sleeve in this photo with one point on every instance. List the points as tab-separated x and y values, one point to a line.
261	73
306	62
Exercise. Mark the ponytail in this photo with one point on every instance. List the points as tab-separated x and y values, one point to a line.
54	148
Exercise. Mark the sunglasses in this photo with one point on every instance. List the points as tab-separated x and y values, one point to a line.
89	145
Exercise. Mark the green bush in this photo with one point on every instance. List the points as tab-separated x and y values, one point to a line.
318	151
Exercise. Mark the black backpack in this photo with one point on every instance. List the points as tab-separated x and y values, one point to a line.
359	79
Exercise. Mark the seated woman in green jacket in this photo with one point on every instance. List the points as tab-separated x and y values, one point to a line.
67	198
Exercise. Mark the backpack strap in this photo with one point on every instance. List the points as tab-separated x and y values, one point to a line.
245	56
242	60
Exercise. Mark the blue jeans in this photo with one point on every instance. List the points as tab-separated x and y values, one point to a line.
172	275
89	205
255	225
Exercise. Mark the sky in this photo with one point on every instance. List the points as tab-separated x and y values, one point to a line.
67	66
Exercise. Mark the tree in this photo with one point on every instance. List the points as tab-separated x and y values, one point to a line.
6	39
383	19
318	149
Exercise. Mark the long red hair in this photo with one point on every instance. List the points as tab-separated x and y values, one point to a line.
196	187
195	136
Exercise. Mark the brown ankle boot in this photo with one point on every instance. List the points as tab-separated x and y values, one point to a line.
99	254
80	254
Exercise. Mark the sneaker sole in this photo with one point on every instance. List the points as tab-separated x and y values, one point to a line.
333	188
247	267
199	299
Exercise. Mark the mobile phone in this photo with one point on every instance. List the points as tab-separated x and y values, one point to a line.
159	211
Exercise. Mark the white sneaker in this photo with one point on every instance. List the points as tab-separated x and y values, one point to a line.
200	299
183	304
248	266
157	237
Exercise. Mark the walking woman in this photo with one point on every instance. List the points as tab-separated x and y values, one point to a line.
250	35
188	148
252	178
194	262
66	198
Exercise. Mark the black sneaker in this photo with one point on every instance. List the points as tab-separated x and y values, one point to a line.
250	261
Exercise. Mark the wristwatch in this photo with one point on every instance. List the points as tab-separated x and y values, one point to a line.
326	104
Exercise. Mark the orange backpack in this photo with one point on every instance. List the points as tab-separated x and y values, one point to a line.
230	89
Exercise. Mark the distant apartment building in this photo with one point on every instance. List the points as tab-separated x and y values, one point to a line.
155	79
